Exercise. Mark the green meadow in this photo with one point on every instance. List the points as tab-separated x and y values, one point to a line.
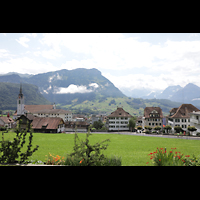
132	149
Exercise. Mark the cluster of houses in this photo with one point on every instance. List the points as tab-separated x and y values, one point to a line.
48	119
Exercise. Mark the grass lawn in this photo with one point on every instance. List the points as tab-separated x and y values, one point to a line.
133	149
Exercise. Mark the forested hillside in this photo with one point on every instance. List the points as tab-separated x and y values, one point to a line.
9	93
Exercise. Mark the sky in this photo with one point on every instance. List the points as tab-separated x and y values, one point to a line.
129	60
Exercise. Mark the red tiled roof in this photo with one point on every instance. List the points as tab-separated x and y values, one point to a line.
148	110
54	111
50	122
7	120
120	112
36	108
184	110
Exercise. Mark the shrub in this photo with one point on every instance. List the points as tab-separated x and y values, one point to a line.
161	158
55	160
85	154
10	151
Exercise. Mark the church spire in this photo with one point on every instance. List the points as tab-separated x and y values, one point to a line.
20	91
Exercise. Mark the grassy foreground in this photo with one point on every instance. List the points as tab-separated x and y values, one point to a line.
132	149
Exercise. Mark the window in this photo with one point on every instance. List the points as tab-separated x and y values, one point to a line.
149	124
197	117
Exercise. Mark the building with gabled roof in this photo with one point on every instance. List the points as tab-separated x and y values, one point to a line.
181	116
153	116
118	120
48	124
40	110
6	121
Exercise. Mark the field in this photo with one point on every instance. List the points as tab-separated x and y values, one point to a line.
132	149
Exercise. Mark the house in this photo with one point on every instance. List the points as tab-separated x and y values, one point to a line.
139	121
95	118
79	126
40	110
31	109
118	120
48	124
153	117
181	116
195	121
64	114
6	121
25	121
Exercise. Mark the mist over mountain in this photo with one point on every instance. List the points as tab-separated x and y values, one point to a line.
86	90
64	86
188	94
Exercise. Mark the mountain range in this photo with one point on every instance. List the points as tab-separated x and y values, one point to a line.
188	94
87	91
64	86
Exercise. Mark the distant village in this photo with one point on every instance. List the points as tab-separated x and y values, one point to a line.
49	119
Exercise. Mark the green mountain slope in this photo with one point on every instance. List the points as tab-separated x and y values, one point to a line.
135	106
9	93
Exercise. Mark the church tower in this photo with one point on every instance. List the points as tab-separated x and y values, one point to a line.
20	102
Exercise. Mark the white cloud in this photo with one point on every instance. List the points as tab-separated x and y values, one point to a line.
73	89
25	65
160	82
95	85
3	53
34	35
74	64
50	54
23	40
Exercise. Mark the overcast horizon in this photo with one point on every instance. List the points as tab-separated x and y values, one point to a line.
128	60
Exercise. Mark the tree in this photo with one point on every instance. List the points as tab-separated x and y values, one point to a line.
132	123
167	127
191	128
98	124
178	129
148	127
157	128
139	127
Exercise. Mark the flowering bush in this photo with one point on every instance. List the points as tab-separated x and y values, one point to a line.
55	160
173	158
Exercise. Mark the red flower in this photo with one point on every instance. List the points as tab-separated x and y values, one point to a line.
170	151
159	159
147	162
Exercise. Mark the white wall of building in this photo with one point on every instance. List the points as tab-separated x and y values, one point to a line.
118	124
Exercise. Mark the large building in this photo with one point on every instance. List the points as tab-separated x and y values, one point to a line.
118	120
180	116
153	116
195	121
40	110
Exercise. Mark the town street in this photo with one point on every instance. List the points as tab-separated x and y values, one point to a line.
143	134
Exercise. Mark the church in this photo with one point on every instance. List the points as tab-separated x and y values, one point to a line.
40	110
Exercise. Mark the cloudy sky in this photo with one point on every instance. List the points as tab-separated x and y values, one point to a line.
129	60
